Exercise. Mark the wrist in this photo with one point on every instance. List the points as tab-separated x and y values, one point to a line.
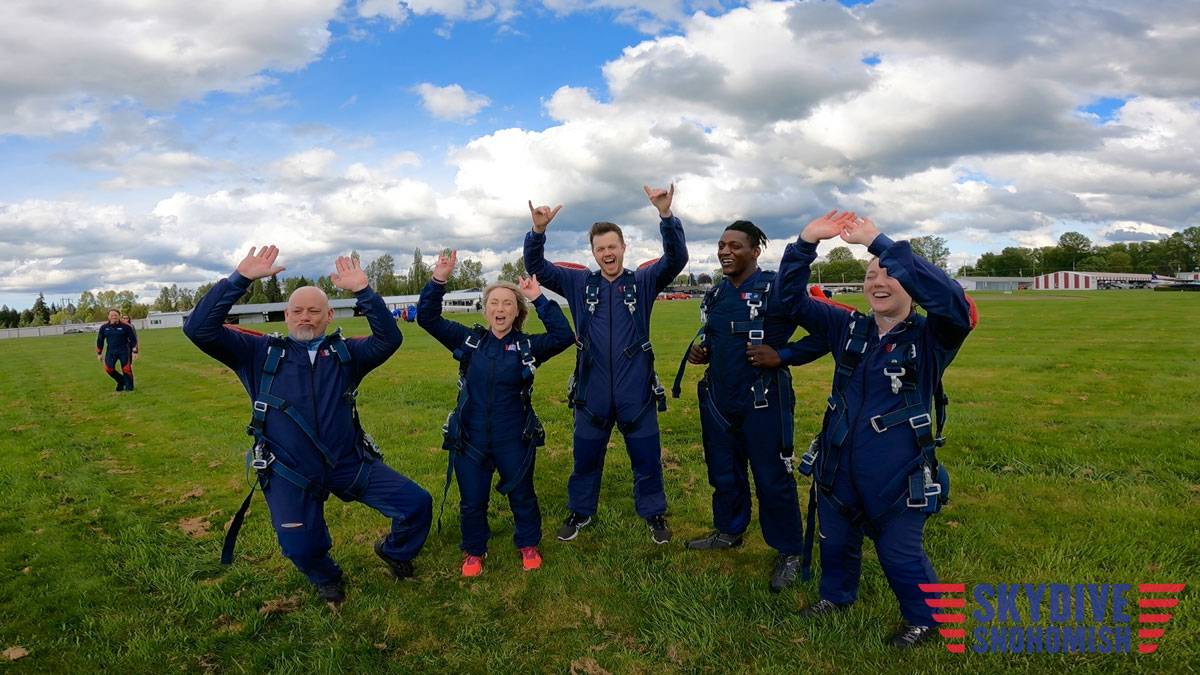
443	282
666	215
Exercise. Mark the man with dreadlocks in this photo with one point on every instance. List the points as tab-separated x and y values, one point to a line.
746	401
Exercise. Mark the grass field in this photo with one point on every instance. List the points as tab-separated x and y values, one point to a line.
1072	447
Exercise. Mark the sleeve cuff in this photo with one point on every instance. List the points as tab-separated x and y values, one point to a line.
541	302
881	244
785	354
805	247
240	281
364	293
670	221
535	237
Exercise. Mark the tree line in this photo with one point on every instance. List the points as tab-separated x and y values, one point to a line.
92	307
1179	252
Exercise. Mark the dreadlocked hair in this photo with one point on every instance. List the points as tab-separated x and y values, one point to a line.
757	237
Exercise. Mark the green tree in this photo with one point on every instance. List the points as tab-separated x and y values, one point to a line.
840	253
381	273
468	275
257	294
164	302
932	248
41	313
512	271
290	284
419	273
272	290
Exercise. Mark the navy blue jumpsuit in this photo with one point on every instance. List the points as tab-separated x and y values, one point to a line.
494	416
867	472
122	342
314	384
618	371
734	431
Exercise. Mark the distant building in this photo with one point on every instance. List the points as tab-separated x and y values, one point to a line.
1088	281
165	319
994	283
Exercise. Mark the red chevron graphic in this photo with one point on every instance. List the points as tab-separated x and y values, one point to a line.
1148	634
954	636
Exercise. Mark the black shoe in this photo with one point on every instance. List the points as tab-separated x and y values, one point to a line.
716	541
572	525
659	532
333	592
821	608
400	569
786	569
911	636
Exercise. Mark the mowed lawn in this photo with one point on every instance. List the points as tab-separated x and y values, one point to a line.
1072	445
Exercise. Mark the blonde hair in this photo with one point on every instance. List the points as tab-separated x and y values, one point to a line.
522	310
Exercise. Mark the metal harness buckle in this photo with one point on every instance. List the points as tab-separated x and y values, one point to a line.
875	424
895	374
932	489
469	343
756	334
920	421
260	406
788	462
753	305
760	401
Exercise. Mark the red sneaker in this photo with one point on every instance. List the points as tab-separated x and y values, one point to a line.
472	565
530	558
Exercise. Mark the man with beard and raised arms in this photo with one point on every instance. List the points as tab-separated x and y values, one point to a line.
746	401
614	381
308	442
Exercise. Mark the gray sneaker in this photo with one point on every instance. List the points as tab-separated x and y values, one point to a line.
786	569
717	541
572	525
659	532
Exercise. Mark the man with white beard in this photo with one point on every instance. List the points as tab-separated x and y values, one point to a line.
308	442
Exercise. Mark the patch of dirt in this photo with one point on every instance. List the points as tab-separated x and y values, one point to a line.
587	666
282	605
198	526
194	492
14	653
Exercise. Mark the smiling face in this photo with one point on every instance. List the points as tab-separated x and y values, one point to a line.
736	254
502	309
609	251
886	296
114	316
308	313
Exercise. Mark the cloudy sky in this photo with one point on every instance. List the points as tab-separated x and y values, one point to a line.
142	146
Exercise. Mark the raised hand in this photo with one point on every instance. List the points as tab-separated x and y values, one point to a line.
860	231
529	287
445	267
827	226
260	264
542	216
349	275
661	199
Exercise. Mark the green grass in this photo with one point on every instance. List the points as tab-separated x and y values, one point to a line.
1071	443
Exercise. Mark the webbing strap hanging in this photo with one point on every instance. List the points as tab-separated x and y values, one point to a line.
705	303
